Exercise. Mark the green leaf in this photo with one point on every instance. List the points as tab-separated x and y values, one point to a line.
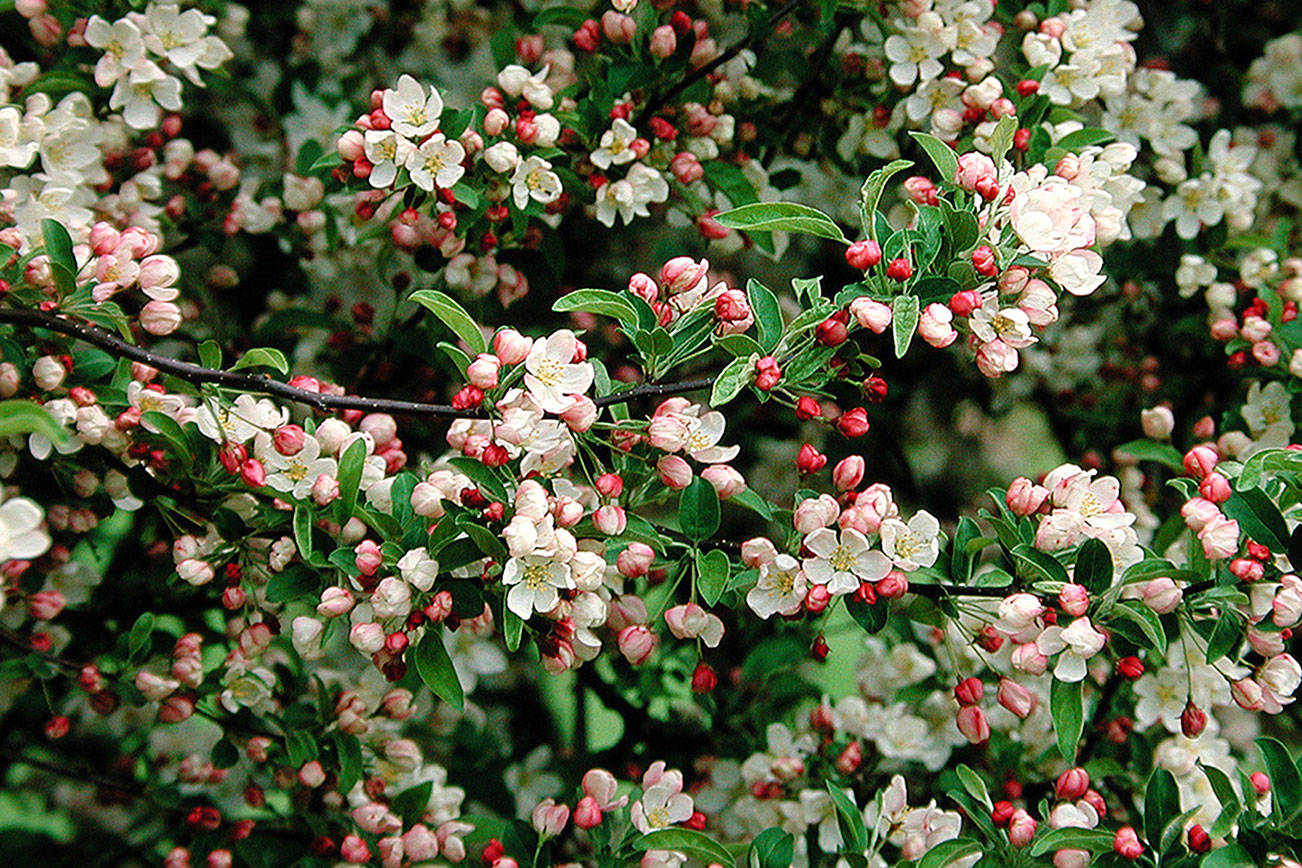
781	217
964	230
139	639
1002	138
768	316
961	560
412	802
488	542
303	532
263	357
512	629
210	354
1225	635
772	848
1285	780
1148	450
712	569
1093	566
1224	790
1267	461
1074	142
1070	838
1161	803
560	15
904	322
1150	626
293	582
698	510
58	246
1038	565
598	301
871	617
942	156
457	356
976	788
854	833
870	194
350	476
949	852
1066	704
693	843
435	668
1231	855
453	315
170	431
734	377
28	417
1258	518
754	502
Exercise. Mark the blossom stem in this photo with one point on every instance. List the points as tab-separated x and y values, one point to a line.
264	385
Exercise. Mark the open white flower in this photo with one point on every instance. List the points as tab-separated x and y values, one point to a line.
412	111
842	563
121	43
437	162
1078	643
534	179
703	436
296	473
535	582
552	374
660	807
20	529
913	545
615	150
139	94
780	589
386	151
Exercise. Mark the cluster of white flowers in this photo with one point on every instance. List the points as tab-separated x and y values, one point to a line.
135	45
1274	80
1225	190
1087	51
1156	108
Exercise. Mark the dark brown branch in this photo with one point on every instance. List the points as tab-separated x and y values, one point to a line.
115	345
83	775
656	103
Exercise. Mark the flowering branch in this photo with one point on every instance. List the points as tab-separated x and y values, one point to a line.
264	385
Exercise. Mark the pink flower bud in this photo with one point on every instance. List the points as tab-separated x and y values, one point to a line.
324	490
160	317
664	41
686	167
1126	843
872	315
549	818
1158	422
1074	600
1247	694
1025	497
1027	658
586	813
610	485
311	775
1200	461
419	844
176	709
355	850
973	168
334	602
288	439
511	347
367	638
1072	784
674	472
610	520
46	605
618	28
726	480
1015	698
973	724
848	473
367	557
893	586
581	414
1162	595
1215	488
482	372
682	273
635	561
969	691
636	643
1198	512
934	326
1021	828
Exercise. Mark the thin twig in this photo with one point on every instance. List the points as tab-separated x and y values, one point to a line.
656	103
254	383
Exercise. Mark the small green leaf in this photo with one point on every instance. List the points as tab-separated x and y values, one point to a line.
512	629
949	852
870	194
138	640
734	377
853	831
693	843
1150	626
435	668
350	476
58	247
293	582
1285	779
1036	565
712	569
1148	450
872	617
698	510
1083	139
1066	704
1071	838
28	417
452	315
263	357
772	848
1002	138
1161	803
768	315
1225	635
942	156
1093	566
210	354
781	217
976	788
598	301
1258	517
904	322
